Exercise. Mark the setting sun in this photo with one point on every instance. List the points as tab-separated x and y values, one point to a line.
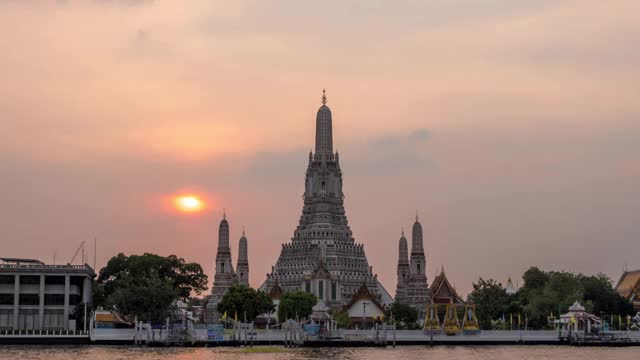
189	203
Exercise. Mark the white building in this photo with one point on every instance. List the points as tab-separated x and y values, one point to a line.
34	295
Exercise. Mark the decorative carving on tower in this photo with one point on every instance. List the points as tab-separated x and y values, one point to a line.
224	276
323	257
403	270
413	288
242	268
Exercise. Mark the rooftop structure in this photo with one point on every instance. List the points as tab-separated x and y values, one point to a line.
443	292
629	287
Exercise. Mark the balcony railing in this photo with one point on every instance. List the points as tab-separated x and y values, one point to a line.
46	267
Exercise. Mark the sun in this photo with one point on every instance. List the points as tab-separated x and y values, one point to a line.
189	203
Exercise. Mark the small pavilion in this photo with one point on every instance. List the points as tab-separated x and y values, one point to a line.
578	320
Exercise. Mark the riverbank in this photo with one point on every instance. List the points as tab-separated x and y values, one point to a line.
343	338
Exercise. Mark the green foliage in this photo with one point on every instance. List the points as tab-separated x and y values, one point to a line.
146	286
491	301
403	314
245	301
342	319
148	298
296	305
186	278
544	293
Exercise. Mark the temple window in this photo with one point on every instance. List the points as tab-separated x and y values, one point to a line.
222	264
321	289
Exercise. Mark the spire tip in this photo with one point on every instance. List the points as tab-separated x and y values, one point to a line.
324	97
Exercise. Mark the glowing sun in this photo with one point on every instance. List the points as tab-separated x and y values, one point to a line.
189	203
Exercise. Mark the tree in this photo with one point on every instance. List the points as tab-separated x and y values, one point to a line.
342	319
148	298
245	301
491	299
147	286
544	293
296	304
186	278
403	314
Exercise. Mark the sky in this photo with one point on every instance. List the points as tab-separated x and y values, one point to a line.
511	127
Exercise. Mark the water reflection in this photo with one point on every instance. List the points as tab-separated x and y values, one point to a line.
261	353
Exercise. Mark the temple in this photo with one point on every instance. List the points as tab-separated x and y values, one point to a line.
225	276
242	266
442	292
402	270
323	257
629	287
413	288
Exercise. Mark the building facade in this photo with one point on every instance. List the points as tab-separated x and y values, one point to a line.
323	257
34	295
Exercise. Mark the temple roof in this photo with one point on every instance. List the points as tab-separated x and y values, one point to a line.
441	288
629	283
364	294
276	291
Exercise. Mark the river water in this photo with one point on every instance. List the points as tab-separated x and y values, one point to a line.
268	353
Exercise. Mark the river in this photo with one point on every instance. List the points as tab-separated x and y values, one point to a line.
268	353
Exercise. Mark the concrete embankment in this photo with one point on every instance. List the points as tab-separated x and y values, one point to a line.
345	338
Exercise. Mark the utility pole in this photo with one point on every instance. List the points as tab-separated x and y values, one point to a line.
95	249
364	315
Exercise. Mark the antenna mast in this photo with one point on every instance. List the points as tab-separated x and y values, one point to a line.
95	249
81	247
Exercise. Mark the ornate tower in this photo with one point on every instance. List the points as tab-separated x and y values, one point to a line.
225	276
418	293
242	268
324	131
417	250
323	257
403	270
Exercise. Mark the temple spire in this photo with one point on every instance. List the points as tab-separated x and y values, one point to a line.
324	132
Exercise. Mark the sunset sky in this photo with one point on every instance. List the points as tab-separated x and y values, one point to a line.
512	127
